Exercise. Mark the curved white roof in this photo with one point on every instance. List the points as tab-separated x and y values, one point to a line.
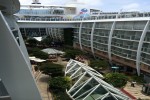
52	51
88	84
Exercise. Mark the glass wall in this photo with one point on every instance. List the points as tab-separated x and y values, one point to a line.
42	11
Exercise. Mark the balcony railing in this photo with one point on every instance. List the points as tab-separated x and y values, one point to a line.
99	17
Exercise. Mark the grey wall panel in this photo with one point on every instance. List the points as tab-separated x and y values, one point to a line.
14	70
23	47
12	23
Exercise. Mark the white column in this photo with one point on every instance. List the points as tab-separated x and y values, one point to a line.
92	32
80	29
110	40
140	48
110	37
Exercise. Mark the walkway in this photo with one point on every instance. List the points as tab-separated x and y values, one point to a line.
64	63
42	83
136	91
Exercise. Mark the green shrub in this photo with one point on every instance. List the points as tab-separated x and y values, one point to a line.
32	42
138	79
72	53
52	69
47	41
40	54
37	53
60	95
116	79
60	83
98	64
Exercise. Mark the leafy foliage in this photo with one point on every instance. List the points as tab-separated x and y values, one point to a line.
60	95
52	69
97	64
58	86
116	79
47	41
71	53
37	53
40	54
32	42
138	79
60	83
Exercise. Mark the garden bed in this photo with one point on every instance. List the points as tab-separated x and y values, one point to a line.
60	95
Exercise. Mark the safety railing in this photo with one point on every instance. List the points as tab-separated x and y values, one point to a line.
100	17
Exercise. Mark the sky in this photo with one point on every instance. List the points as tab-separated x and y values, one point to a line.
104	5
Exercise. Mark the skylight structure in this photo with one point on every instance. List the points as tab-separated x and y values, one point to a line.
88	84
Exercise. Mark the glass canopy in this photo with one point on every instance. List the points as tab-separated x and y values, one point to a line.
88	84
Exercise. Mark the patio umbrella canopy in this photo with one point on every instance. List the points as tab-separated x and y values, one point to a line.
51	51
37	59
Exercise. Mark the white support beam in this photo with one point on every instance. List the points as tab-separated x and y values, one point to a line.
110	40
75	72
77	81
105	96
82	86
92	91
100	98
80	30
138	56
71	68
92	32
86	92
110	37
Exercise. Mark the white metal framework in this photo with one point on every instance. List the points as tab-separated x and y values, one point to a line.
92	32
140	47
16	79
88	84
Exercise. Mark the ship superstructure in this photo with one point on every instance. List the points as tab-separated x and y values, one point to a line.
122	38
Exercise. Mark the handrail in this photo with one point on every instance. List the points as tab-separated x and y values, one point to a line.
65	19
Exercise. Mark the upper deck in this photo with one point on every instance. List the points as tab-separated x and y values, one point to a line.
39	12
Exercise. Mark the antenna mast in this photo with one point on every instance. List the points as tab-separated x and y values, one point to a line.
36	2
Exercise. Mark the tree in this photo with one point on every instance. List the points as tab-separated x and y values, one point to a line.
116	79
71	53
52	69
41	54
25	38
47	41
32	42
99	64
37	53
60	83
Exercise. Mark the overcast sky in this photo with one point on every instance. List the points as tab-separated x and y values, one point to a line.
105	5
